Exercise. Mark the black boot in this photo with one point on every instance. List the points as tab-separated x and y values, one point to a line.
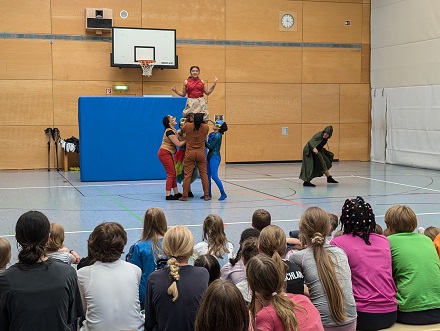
330	179
308	184
171	197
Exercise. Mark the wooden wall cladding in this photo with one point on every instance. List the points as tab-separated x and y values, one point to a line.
258	20
331	65
24	16
325	22
365	64
263	143
25	59
263	64
73	60
25	102
366	13
66	93
354	142
308	130
320	103
69	17
354	106
263	103
202	19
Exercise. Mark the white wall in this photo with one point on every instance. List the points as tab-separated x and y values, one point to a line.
405	82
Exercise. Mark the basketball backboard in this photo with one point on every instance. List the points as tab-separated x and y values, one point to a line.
129	45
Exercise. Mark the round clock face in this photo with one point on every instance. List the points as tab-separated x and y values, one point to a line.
287	21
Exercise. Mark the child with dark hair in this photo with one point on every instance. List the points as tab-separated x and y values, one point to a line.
369	257
416	268
214	240
250	249
37	285
211	264
234	270
109	287
260	219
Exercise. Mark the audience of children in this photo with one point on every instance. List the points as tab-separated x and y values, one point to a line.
210	263
214	240
326	272
37	292
361	280
234	270
55	246
5	253
222	308
369	257
273	309
415	268
148	250
174	293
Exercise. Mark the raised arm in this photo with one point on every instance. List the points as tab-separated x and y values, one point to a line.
208	92
176	140
183	93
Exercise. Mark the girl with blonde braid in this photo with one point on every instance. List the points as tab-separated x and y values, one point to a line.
271	308
177	289
326	272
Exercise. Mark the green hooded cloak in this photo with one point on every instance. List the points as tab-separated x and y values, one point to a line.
314	165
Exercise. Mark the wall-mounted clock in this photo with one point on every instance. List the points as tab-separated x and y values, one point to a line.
287	21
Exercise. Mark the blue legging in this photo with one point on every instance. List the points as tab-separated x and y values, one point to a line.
214	162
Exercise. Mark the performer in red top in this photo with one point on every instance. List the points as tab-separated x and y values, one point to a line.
195	88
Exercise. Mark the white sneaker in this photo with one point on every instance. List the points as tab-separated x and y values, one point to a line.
421	230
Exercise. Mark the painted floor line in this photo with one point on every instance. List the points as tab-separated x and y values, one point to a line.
400	184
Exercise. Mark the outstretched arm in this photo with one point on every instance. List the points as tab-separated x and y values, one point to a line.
208	92
183	93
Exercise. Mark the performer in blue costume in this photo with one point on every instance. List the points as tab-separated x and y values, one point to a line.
214	144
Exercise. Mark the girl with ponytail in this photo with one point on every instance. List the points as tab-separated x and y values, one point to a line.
178	288
369	256
271	308
326	272
272	242
37	279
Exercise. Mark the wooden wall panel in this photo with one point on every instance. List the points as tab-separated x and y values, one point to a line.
365	64
259	20
308	130
354	141
210	59
320	103
66	94
24	16
74	60
25	59
263	103
251	143
331	65
69	17
344	1
28	152
202	19
354	103
366	13
263	64
25	102
325	22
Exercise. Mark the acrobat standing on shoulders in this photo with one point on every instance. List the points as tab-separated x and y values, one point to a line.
195	89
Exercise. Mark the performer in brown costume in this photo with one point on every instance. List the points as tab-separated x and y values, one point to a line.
196	133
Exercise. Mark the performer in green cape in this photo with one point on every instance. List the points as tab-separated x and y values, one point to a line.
316	159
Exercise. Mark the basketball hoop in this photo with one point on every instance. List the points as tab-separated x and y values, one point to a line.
147	67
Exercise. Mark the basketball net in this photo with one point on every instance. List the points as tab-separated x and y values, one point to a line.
147	67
